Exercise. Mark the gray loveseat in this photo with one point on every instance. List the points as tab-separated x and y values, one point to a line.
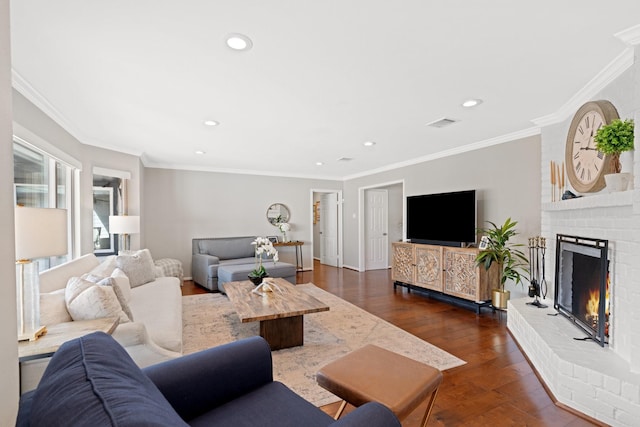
210	255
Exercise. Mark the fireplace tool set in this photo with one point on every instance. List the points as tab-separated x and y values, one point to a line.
538	286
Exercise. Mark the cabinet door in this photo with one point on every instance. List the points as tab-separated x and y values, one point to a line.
403	265
461	276
429	267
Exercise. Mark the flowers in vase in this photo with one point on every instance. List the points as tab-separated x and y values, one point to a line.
263	247
284	227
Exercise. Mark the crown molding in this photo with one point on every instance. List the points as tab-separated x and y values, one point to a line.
611	72
510	137
630	36
21	85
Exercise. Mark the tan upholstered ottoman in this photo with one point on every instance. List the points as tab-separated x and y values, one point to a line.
375	374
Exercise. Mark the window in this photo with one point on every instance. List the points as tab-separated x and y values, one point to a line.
41	181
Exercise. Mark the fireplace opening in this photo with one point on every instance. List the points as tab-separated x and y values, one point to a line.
582	284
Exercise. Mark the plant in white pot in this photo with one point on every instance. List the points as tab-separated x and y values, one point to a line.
511	262
613	139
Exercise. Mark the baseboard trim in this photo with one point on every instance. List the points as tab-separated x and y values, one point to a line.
350	267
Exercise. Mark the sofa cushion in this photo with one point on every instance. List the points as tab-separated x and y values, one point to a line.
273	405
93	381
227	248
87	300
138	267
53	308
159	306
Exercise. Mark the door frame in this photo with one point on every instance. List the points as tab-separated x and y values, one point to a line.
340	220
361	217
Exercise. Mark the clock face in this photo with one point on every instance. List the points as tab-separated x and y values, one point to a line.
586	160
586	166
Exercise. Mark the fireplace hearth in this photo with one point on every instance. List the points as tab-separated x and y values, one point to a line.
582	285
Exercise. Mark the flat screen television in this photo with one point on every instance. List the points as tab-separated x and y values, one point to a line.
447	219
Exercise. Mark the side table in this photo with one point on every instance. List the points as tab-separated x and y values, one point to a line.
45	346
298	245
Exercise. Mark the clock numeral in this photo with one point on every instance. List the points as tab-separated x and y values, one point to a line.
600	155
596	166
589	175
586	120
575	156
580	130
582	174
578	166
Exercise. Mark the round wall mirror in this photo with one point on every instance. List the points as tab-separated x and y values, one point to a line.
277	213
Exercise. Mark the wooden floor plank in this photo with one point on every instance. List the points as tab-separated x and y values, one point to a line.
496	387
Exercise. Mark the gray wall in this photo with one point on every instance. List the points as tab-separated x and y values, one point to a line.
506	176
180	205
8	311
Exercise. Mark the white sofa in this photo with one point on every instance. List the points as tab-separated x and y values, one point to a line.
154	335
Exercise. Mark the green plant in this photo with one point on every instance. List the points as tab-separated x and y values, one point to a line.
511	261
615	138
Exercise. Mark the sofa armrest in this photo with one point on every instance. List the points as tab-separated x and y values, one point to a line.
199	267
198	382
371	414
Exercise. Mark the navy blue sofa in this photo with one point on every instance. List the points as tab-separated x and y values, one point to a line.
92	381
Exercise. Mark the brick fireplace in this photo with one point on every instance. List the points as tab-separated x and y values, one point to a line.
603	383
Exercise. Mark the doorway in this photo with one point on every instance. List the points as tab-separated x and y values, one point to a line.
326	235
381	223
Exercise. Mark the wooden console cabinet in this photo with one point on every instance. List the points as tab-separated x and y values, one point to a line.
447	270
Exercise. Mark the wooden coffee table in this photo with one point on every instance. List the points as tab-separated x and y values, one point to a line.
280	313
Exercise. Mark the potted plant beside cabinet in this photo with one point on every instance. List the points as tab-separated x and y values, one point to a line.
613	139
511	262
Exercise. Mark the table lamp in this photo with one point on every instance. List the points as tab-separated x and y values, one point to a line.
124	225
39	233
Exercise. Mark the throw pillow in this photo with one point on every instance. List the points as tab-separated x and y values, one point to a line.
53	308
87	300
139	267
120	294
123	282
105	268
92	381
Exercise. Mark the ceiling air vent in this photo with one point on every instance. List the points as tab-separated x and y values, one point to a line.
345	159
441	123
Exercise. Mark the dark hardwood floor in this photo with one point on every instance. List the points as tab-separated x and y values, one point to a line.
496	387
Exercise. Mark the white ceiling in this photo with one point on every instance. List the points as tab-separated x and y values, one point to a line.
322	78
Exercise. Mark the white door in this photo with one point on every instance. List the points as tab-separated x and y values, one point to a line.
329	229
376	229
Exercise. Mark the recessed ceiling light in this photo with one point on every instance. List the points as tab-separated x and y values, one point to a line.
239	42
368	143
319	163
471	103
211	123
200	152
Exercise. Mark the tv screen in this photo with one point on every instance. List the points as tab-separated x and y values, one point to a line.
442	219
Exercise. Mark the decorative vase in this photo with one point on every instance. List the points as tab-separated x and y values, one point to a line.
499	298
617	181
257	280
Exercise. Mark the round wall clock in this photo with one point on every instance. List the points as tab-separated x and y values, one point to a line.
586	166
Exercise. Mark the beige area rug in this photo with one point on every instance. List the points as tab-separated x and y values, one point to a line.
209	320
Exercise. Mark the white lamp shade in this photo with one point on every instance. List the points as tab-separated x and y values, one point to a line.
124	224
40	232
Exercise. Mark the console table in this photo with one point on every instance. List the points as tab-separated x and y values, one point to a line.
298	245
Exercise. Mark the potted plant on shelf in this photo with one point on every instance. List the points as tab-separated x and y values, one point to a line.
613	139
263	248
511	262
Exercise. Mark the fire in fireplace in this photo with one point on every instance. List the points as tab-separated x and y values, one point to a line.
582	284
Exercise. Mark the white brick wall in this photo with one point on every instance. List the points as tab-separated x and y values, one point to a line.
603	383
